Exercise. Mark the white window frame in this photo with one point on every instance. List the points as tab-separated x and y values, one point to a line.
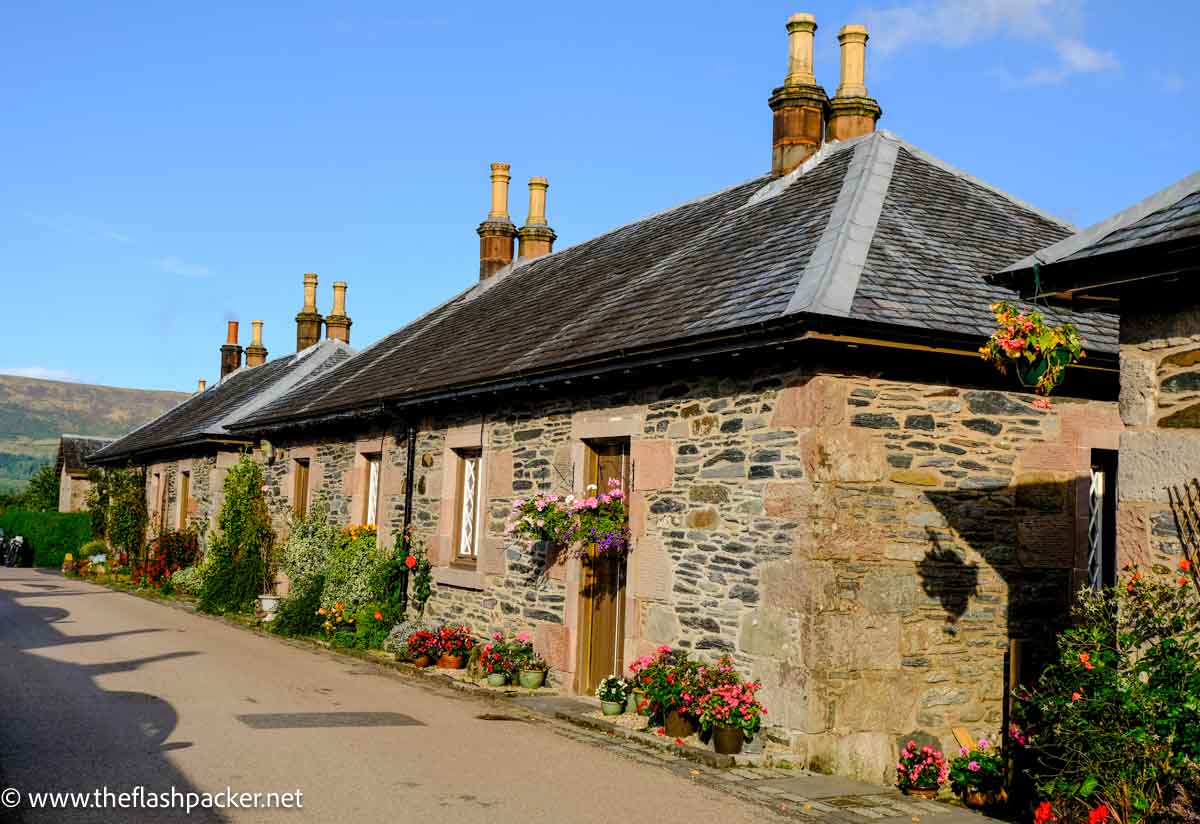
466	543
374	467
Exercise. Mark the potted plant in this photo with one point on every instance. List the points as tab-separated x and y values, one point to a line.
494	662
572	523
733	713
455	644
920	770
611	692
1039	354
977	775
532	672
673	685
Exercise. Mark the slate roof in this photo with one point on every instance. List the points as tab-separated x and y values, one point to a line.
209	414
870	229
73	451
1166	216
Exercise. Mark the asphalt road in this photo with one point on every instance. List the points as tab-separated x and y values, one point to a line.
102	689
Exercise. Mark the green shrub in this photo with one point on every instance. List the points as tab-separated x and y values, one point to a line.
92	548
309	542
51	535
189	579
238	557
351	574
126	516
42	493
297	613
1115	721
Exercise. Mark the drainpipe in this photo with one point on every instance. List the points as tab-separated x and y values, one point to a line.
406	539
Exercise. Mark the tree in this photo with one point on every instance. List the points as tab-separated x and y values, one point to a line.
42	493
240	551
127	516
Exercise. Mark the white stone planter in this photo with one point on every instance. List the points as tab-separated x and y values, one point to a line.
268	604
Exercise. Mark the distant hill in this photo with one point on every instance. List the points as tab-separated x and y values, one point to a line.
33	413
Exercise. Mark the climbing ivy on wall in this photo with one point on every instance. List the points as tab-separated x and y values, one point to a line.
125	512
239	554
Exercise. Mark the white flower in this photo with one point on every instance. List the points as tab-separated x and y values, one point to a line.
591	487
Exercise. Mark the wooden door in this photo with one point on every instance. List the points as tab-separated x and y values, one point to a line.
602	581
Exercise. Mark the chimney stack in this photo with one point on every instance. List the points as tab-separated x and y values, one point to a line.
231	353
337	322
256	353
536	236
798	105
201	385
497	233
308	321
852	112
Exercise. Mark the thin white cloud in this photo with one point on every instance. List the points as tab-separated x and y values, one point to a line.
42	373
74	226
178	266
959	23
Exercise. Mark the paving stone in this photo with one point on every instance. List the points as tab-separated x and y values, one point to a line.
865	812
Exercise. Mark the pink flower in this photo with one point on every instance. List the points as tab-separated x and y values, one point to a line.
497	636
963	750
983	743
973	766
1041	403
523	637
663	649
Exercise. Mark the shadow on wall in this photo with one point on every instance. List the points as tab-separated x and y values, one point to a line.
1030	536
61	732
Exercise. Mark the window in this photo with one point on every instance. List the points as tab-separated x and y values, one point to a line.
372	502
300	488
466	543
185	496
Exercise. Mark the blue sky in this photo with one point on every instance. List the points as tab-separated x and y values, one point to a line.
165	167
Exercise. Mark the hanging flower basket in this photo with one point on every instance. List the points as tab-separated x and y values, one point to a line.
1038	354
571	524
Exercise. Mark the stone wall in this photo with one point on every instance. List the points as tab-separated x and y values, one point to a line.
867	548
1160	405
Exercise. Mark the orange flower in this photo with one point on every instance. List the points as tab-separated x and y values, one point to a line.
1185	564
1075	696
1183	582
410	561
378	615
1085	658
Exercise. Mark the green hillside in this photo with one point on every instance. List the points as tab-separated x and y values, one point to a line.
33	413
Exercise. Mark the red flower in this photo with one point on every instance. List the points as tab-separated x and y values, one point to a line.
1183	582
1075	696
679	741
1185	564
410	561
1098	815
378	615
661	731
1043	813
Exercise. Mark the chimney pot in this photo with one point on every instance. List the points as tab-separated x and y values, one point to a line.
337	322
201	385
799	105
536	236
231	353
256	353
852	112
308	320
497	233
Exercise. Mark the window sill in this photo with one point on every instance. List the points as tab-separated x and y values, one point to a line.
458	577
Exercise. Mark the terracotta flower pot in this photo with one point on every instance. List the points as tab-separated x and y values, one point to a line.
452	662
727	740
982	799
679	725
422	661
920	792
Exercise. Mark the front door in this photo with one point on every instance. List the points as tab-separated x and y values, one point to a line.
602	580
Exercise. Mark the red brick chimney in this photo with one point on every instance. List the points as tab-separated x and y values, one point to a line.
256	353
231	353
536	236
308	321
497	233
852	112
799	105
337	322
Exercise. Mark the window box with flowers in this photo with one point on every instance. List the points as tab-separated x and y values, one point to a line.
1039	354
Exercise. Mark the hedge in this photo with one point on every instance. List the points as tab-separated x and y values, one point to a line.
51	535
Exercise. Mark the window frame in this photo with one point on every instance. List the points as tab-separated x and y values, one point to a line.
464	459
185	496
372	473
300	472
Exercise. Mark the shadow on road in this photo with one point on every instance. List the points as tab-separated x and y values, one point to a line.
61	732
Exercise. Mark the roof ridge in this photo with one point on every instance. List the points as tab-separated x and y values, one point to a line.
1167	196
970	178
830	278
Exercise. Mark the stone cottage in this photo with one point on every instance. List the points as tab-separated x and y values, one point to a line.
1141	264
186	451
71	468
826	480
